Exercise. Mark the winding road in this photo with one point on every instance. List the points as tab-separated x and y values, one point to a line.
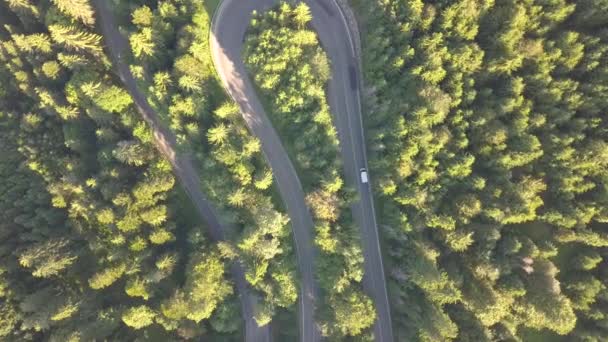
227	32
182	165
229	25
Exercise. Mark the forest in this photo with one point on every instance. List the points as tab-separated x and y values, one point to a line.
291	70
98	241
485	124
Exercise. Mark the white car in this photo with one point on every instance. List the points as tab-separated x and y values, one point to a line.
363	173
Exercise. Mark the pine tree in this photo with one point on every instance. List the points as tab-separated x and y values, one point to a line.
75	39
78	9
138	317
48	258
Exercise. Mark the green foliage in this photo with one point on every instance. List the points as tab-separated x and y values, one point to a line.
182	86
112	99
223	320
205	288
131	153
107	277
483	117
138	317
354	312
39	42
78	9
48	258
90	219
486	132
161	236
137	288
65	312
142	16
74	39
51	69
291	70
143	44
9	319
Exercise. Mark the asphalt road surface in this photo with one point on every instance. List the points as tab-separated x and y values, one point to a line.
228	29
182	164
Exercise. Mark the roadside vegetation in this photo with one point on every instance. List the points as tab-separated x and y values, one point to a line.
487	133
182	86
97	241
487	130
291	70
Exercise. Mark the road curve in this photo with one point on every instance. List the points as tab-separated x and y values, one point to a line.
183	167
227	33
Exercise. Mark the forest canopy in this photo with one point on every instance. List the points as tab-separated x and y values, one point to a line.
485	125
98	240
287	63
